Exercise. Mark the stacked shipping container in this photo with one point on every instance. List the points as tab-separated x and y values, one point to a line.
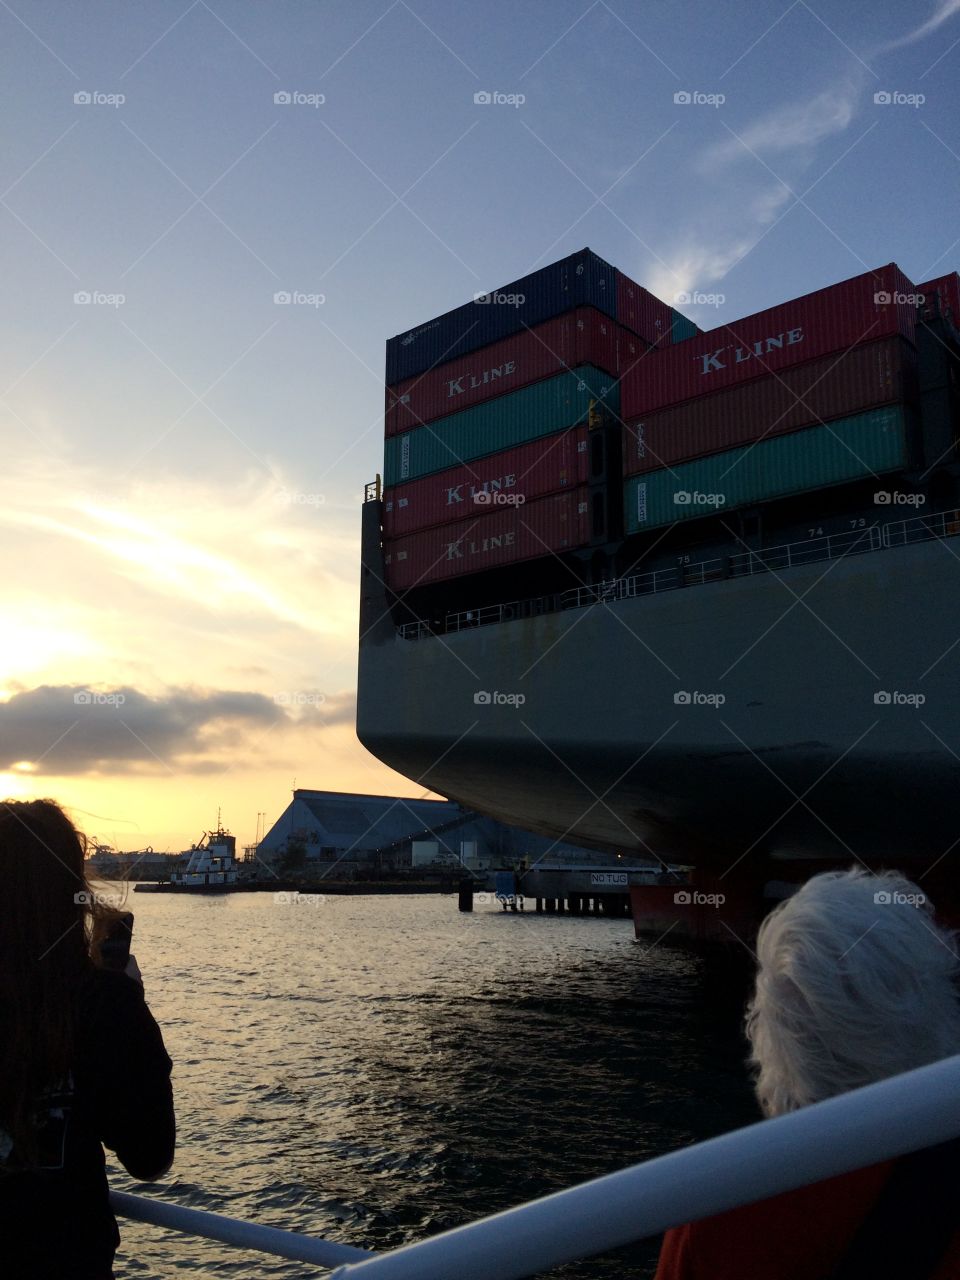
486	450
853	448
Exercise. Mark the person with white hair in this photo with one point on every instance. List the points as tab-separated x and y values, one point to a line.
856	982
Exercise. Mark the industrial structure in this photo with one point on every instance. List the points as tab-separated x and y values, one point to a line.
366	836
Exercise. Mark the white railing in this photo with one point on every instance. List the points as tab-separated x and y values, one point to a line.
245	1235
943	524
827	547
789	555
879	1122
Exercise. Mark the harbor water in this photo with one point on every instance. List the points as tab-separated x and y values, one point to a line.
375	1070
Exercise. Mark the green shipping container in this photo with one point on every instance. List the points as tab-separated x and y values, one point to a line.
538	410
815	458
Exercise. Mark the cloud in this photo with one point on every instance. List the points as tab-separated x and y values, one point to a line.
941	14
59	730
796	126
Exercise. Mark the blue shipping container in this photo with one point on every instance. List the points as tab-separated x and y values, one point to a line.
581	280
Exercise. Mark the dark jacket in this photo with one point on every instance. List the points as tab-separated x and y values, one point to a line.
55	1219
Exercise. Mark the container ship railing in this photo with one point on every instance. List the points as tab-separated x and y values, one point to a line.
866	1126
789	555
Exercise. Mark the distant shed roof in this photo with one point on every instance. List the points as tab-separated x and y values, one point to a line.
370	822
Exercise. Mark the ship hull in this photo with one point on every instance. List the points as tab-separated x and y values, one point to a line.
782	750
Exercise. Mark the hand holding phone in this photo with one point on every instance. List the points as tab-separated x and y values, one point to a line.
115	947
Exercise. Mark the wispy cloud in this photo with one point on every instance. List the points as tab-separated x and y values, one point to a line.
942	13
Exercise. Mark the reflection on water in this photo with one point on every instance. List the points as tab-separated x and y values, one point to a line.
378	1069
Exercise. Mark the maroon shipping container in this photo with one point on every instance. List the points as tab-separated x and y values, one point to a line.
875	305
641	312
530	471
582	336
503	536
835	386
948	289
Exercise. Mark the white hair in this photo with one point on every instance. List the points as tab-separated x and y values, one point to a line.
856	983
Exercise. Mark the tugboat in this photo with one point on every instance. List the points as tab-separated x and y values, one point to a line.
211	867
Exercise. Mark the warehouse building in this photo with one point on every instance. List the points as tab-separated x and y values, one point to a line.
366	835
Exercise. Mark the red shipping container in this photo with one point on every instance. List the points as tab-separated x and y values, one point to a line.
834	386
530	471
582	336
877	304
948	290
503	536
641	312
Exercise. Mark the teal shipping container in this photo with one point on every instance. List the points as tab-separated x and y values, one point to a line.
815	458
681	328
551	405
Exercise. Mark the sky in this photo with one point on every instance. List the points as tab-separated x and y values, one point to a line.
184	452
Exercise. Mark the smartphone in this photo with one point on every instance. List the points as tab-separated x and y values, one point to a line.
115	948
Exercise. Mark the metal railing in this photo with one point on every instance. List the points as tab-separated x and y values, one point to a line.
866	1126
789	555
900	533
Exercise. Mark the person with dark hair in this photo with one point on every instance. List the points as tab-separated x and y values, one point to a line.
82	1061
856	982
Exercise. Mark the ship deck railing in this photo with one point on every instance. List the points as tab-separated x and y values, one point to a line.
788	555
866	1126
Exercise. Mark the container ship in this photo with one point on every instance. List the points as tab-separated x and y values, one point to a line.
691	595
